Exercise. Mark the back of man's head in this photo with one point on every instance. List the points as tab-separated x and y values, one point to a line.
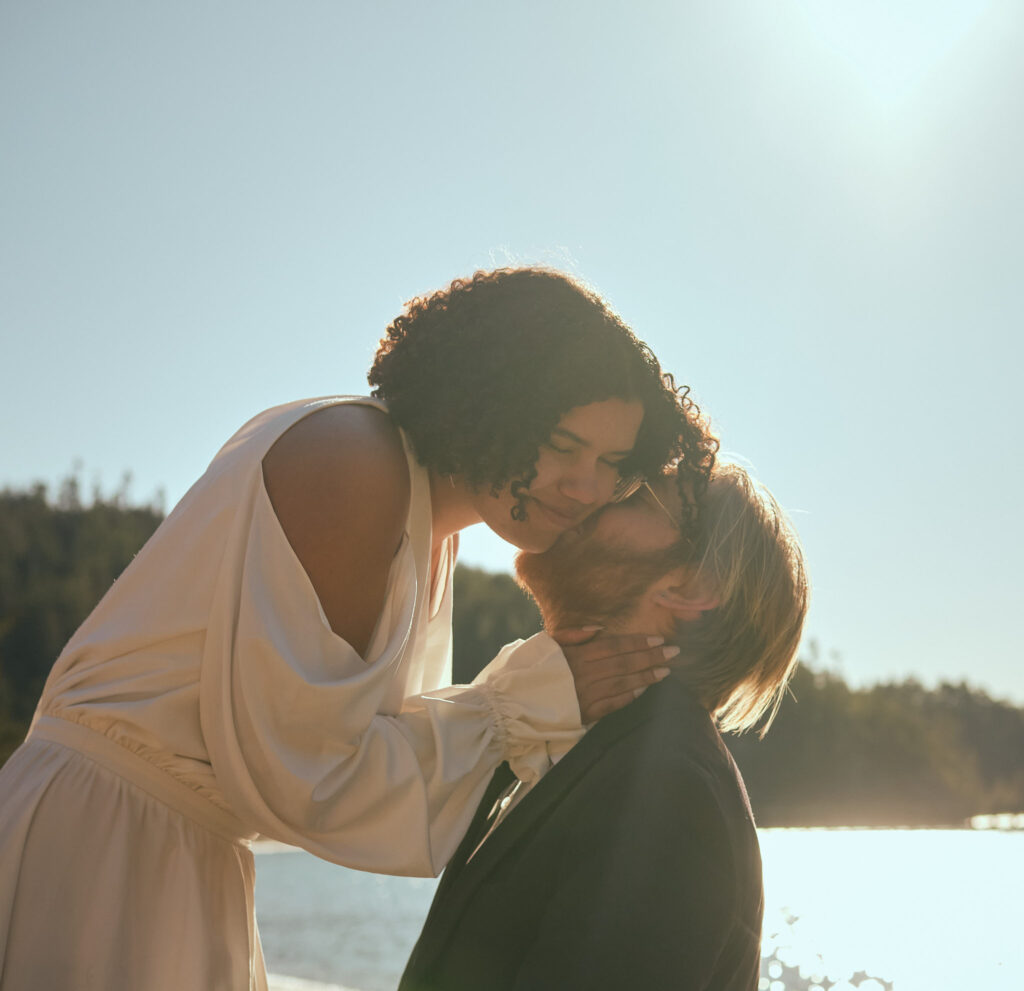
738	656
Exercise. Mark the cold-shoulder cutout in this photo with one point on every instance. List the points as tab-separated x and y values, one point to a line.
338	481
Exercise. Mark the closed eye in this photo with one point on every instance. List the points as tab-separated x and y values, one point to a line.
613	459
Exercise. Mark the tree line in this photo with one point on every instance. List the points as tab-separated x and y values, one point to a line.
895	754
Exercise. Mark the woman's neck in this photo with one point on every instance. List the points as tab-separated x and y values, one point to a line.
451	507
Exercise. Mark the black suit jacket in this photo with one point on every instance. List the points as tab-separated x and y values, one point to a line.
632	864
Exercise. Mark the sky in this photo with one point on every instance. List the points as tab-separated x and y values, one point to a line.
811	211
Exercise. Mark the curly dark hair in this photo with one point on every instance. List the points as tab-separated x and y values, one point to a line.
479	374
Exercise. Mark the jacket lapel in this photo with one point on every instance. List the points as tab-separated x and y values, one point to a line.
461	879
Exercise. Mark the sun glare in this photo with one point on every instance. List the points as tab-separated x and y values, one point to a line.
890	50
893	898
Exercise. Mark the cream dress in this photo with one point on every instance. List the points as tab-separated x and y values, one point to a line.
205	701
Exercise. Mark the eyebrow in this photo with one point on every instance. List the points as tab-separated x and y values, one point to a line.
562	432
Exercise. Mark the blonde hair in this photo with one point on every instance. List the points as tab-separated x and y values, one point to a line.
742	653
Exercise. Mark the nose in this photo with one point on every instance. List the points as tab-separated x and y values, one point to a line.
583	485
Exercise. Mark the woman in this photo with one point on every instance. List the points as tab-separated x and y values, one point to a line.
260	667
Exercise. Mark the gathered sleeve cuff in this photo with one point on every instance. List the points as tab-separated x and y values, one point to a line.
521	708
533	697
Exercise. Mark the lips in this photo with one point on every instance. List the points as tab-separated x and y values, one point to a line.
561	519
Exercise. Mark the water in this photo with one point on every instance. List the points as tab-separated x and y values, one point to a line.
910	910
923	910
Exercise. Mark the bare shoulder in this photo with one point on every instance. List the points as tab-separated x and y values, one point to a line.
339	484
347	445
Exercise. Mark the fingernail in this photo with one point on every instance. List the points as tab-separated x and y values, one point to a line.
660	673
669	652
591	629
637	692
655	641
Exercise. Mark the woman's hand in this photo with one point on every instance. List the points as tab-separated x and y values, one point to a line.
611	671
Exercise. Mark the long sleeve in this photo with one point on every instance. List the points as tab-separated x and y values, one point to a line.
301	736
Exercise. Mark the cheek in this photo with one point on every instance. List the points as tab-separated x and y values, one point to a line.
635	530
608	479
548	469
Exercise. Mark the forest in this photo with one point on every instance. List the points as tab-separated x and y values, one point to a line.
894	754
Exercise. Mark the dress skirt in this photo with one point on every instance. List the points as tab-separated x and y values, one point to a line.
133	864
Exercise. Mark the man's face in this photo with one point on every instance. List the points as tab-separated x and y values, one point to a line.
600	571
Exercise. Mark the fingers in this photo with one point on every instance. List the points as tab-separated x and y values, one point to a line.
601	648
611	671
575	635
587	670
614	693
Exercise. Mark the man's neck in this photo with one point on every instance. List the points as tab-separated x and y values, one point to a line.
646	618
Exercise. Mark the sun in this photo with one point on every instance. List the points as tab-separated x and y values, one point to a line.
890	51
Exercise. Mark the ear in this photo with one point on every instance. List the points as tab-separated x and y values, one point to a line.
687	603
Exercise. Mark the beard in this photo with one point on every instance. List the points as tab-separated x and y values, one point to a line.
582	580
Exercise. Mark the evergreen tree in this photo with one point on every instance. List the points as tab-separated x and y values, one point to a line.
57	559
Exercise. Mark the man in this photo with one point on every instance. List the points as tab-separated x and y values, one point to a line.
633	862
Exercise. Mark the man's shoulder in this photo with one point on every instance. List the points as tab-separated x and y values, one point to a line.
669	724
666	738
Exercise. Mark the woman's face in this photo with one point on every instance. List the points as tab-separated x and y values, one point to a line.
577	471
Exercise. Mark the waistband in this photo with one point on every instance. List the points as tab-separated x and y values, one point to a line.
156	783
